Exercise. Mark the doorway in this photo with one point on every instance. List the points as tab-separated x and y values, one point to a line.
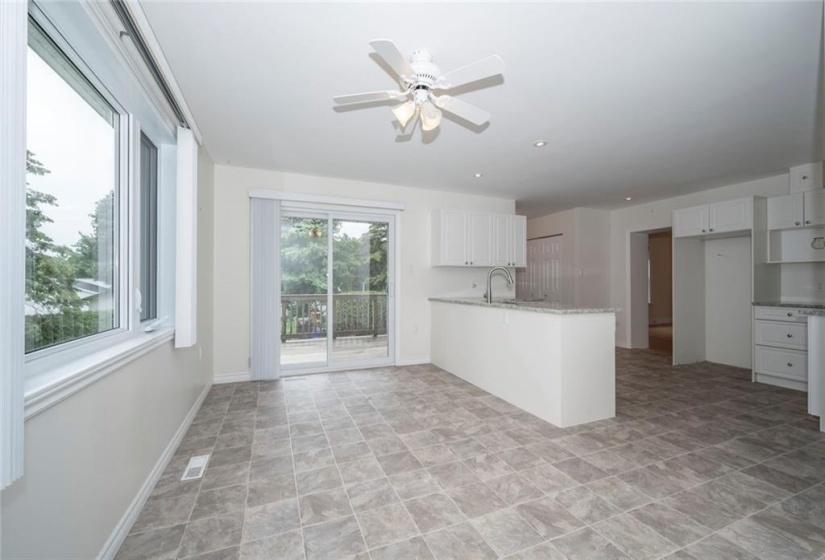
660	287
336	277
651	290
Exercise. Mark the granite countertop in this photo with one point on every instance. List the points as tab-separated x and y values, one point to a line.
533	306
795	304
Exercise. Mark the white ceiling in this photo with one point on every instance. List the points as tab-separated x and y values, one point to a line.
641	100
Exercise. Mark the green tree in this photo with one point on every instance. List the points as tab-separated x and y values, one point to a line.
49	274
88	250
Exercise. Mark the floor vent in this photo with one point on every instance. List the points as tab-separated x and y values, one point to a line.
195	467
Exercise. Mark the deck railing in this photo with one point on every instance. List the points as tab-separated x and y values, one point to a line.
305	315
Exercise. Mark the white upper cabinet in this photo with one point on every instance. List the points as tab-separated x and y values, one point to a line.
814	208
479	236
732	215
785	211
720	217
796	210
450	236
509	240
519	241
690	221
463	238
502	239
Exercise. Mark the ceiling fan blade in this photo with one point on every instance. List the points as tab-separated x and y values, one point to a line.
462	109
387	50
367	97
484	68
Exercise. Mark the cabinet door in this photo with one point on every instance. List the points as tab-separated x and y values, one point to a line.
814	208
454	238
785	211
501	242
732	215
479	237
519	241
690	221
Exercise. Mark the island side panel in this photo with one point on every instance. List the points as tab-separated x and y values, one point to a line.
514	355
588	368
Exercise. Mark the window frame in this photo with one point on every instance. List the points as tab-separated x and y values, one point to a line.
153	274
127	232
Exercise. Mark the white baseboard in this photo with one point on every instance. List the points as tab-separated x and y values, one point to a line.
232	377
412	361
123	527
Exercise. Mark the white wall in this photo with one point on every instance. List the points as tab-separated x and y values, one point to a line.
658	215
728	271
591	265
418	280
661	278
87	457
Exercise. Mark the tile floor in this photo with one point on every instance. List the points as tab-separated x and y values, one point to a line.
408	463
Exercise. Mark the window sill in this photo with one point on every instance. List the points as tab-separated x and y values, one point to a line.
46	389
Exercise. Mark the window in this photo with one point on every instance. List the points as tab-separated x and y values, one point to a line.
148	229
72	202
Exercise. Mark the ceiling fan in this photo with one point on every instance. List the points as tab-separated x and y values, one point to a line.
418	80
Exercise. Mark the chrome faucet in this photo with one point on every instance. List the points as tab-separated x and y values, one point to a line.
489	295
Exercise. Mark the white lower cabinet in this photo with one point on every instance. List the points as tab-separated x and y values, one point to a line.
780	351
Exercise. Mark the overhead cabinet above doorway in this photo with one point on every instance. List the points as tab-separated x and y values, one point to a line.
483	239
712	219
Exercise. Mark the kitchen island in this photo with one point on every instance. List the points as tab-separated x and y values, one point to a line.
556	362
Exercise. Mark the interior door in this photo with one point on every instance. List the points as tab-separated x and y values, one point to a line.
542	278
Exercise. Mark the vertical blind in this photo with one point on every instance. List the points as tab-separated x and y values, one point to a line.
265	289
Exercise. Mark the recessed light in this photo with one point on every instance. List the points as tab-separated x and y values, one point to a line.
539	143
628	198
478	175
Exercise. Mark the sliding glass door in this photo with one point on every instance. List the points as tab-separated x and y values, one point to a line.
336	278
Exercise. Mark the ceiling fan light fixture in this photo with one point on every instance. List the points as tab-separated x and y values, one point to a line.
404	113
430	116
539	143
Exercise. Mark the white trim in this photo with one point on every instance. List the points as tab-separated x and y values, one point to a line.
186	248
241	376
413	362
123	527
318	199
220	378
46	390
13	47
145	28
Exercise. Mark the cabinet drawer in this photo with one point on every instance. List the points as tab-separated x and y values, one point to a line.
790	364
781	334
779	314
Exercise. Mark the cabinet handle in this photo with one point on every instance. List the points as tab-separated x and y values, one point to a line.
703	231
790	364
471	262
468	262
790	314
807	221
790	335
711	229
799	223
